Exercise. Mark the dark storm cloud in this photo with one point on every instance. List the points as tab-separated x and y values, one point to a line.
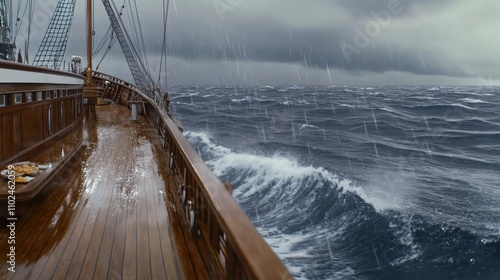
362	8
314	47
422	37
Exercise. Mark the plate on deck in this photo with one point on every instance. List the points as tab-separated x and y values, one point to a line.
44	166
5	174
23	180
18	179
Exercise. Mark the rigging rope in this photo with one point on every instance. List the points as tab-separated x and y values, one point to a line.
53	46
28	7
144	51
19	21
107	36
135	54
163	57
30	19
139	72
103	41
111	43
135	33
93	25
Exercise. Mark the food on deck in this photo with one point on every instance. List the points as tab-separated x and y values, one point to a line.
21	180
26	169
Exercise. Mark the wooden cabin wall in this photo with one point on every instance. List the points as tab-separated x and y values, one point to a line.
32	126
11	134
24	125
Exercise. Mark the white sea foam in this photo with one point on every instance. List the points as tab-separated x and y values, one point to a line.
290	88
472	100
405	234
474	93
462	106
434	89
347	105
284	244
247	98
298	102
283	177
184	103
308	126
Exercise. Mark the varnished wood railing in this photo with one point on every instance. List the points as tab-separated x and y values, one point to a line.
31	68
228	241
22	77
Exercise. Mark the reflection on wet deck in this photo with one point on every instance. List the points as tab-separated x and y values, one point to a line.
106	218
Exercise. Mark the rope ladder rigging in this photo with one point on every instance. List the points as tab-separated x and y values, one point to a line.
140	74
53	46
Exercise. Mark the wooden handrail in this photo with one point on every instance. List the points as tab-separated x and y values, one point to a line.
31	68
250	250
22	88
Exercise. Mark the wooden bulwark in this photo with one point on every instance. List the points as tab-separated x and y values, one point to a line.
230	245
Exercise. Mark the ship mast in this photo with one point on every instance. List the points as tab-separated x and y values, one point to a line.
89	43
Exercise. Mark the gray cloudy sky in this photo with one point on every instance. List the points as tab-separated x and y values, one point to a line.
316	42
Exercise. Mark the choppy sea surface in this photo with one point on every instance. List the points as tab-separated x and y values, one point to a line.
349	182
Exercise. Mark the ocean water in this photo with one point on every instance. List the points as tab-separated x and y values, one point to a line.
349	182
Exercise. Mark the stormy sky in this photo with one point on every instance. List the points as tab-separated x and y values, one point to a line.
295	42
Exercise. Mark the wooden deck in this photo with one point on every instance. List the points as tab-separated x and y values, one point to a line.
106	217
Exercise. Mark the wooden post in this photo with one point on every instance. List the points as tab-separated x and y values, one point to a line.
89	43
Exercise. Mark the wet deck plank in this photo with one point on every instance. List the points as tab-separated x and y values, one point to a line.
106	218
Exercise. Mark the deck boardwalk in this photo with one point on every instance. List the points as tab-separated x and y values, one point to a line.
106	217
